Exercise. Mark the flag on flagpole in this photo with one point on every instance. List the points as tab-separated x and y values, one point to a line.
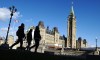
16	21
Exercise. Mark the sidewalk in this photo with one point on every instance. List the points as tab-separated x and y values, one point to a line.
27	55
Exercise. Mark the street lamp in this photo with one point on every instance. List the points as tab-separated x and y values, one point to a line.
96	43
12	10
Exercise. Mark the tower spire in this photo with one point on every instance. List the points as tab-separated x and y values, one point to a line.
71	35
72	9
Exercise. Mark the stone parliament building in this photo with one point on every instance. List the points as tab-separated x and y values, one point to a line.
52	38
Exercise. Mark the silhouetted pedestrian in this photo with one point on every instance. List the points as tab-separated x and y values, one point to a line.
29	38
21	35
37	38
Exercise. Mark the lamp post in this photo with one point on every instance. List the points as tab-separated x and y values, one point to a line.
12	10
96	43
96	52
62	49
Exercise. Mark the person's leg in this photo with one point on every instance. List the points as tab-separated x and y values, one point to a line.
14	44
32	46
37	45
21	42
28	46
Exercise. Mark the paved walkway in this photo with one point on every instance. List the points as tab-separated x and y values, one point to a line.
27	55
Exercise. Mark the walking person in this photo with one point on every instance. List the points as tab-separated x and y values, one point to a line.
21	35
29	38
37	38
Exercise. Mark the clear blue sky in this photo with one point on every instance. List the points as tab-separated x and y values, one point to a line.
54	13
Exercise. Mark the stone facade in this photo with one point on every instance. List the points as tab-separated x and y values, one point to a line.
71	29
50	37
1	40
71	33
53	38
10	40
81	43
